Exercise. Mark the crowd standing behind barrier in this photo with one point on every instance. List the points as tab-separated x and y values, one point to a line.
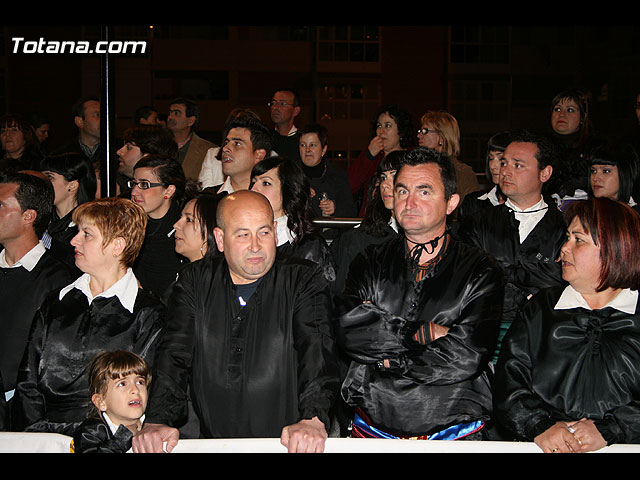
349	227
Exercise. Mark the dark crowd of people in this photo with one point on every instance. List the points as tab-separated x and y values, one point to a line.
202	299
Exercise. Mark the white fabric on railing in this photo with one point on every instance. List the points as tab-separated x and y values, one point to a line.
55	443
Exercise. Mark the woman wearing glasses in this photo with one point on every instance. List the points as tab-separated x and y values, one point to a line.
104	309
440	131
159	187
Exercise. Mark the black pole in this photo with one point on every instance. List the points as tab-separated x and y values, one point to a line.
107	138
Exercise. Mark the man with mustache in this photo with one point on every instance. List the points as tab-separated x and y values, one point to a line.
250	338
418	318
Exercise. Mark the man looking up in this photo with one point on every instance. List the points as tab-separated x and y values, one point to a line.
247	142
227	316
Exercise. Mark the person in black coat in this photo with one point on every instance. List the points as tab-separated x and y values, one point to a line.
378	224
525	233
74	183
568	374
119	384
418	318
159	187
104	309
28	272
282	181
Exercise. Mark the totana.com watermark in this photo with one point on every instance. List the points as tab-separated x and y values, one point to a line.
20	45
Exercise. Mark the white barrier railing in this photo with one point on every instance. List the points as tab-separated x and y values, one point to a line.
11	442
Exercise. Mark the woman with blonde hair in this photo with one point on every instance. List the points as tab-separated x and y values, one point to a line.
104	309
440	131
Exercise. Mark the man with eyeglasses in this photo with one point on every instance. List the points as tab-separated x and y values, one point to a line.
284	108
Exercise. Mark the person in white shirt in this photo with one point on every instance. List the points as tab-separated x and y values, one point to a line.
526	232
568	373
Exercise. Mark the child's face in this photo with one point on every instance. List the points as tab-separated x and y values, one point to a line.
125	400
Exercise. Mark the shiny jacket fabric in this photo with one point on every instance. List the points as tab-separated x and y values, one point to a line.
312	247
251	370
94	436
528	266
52	393
428	386
563	365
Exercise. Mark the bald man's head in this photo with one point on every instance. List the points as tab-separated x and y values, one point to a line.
246	234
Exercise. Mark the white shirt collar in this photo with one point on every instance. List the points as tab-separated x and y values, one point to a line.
226	186
283	234
126	289
491	195
625	301
28	261
529	217
112	426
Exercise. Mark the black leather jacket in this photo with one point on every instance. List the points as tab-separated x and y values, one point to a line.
429	386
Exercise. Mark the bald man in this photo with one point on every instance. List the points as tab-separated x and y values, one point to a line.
250	337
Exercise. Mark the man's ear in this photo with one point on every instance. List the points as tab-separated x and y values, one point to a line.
79	121
218	234
545	173
453	202
29	216
259	155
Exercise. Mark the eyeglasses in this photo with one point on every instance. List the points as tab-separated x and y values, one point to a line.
279	103
424	131
143	184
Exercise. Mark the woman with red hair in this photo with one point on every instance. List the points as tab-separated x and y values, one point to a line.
568	375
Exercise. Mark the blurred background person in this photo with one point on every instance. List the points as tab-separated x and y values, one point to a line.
568	373
21	149
476	200
41	128
440	131
573	135
614	173
329	185
392	128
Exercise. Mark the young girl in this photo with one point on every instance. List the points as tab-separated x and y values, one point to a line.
118	385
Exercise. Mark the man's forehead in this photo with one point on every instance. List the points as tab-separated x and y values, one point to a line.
426	173
521	151
178	107
8	191
240	133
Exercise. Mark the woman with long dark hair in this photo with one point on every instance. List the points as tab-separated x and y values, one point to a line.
284	183
378	224
74	183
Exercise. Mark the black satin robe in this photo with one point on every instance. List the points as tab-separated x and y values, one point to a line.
95	436
528	266
428	386
563	365
312	247
52	393
250	370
